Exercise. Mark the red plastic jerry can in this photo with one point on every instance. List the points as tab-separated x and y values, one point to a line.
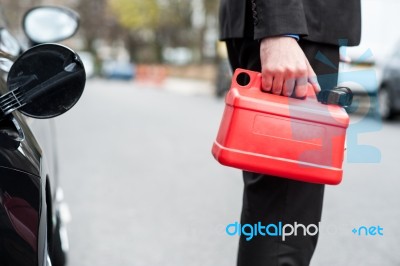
299	139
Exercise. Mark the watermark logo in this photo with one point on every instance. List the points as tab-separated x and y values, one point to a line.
368	231
277	230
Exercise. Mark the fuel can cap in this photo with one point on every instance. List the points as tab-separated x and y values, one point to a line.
341	96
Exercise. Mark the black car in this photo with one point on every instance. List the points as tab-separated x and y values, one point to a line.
389	89
42	82
376	85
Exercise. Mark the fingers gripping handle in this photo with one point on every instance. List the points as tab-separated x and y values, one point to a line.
252	80
341	96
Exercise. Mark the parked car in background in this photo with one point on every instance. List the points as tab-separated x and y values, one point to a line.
371	69
389	88
42	82
117	69
374	82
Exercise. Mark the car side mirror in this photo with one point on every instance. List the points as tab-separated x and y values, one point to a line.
45	24
45	81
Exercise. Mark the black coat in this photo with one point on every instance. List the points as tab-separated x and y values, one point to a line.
323	21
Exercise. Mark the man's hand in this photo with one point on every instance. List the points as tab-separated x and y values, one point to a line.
285	68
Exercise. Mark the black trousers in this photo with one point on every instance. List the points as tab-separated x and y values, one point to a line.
269	199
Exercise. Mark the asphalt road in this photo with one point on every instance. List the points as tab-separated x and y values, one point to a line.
144	190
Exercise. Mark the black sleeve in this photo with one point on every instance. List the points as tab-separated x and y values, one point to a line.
278	17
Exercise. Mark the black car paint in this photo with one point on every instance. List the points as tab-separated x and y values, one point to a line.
23	175
27	188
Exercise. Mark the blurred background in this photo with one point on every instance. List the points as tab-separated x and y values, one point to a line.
114	33
135	153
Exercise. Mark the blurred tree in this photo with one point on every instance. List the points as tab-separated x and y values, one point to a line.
147	27
14	9
211	7
175	27
206	39
136	14
154	25
192	24
139	19
92	13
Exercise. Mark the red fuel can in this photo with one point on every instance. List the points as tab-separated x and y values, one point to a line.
299	139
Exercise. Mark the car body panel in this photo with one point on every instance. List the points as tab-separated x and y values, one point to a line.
23	208
28	180
20	207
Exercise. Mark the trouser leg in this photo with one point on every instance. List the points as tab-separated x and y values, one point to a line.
269	199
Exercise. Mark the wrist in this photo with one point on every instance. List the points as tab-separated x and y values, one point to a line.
280	37
277	40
